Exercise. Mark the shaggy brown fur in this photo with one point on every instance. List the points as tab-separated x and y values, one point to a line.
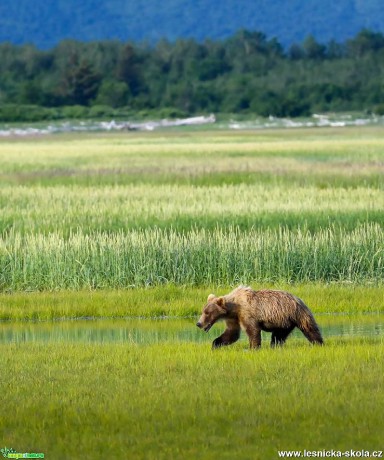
278	312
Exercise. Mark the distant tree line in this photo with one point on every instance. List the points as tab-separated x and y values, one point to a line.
246	73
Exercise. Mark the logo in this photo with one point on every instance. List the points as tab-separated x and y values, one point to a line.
8	452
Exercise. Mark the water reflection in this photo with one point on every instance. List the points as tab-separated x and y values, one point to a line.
147	331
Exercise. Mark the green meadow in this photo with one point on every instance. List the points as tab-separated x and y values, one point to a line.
174	301
180	400
146	225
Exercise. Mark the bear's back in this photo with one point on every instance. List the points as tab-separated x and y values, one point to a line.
272	307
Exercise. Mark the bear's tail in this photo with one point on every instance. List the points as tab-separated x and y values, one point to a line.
307	324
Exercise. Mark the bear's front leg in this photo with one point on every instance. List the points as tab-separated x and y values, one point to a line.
230	335
254	335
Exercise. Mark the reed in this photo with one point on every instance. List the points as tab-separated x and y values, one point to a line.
183	207
153	230
197	257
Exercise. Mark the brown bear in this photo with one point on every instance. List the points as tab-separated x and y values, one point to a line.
278	312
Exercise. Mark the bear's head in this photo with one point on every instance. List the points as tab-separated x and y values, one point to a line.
212	312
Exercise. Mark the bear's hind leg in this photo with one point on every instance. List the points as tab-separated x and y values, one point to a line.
229	336
279	336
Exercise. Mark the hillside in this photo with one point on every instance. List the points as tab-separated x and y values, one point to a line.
45	23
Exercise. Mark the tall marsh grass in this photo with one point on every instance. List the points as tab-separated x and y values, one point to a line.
63	209
195	208
197	257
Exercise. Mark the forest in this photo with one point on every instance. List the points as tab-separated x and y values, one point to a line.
247	73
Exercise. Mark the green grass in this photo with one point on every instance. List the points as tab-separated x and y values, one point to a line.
198	257
319	157
182	401
266	179
176	301
285	216
122	208
147	225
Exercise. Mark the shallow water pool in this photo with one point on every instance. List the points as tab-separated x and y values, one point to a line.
147	331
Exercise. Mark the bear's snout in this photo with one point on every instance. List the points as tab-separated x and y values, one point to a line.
204	325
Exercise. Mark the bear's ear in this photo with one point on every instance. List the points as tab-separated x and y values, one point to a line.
221	302
211	297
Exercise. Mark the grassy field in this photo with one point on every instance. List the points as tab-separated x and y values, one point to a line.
37	209
176	301
196	208
181	401
322	157
147	225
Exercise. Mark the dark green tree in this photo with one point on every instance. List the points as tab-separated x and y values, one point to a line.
81	83
128	69
113	93
313	49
